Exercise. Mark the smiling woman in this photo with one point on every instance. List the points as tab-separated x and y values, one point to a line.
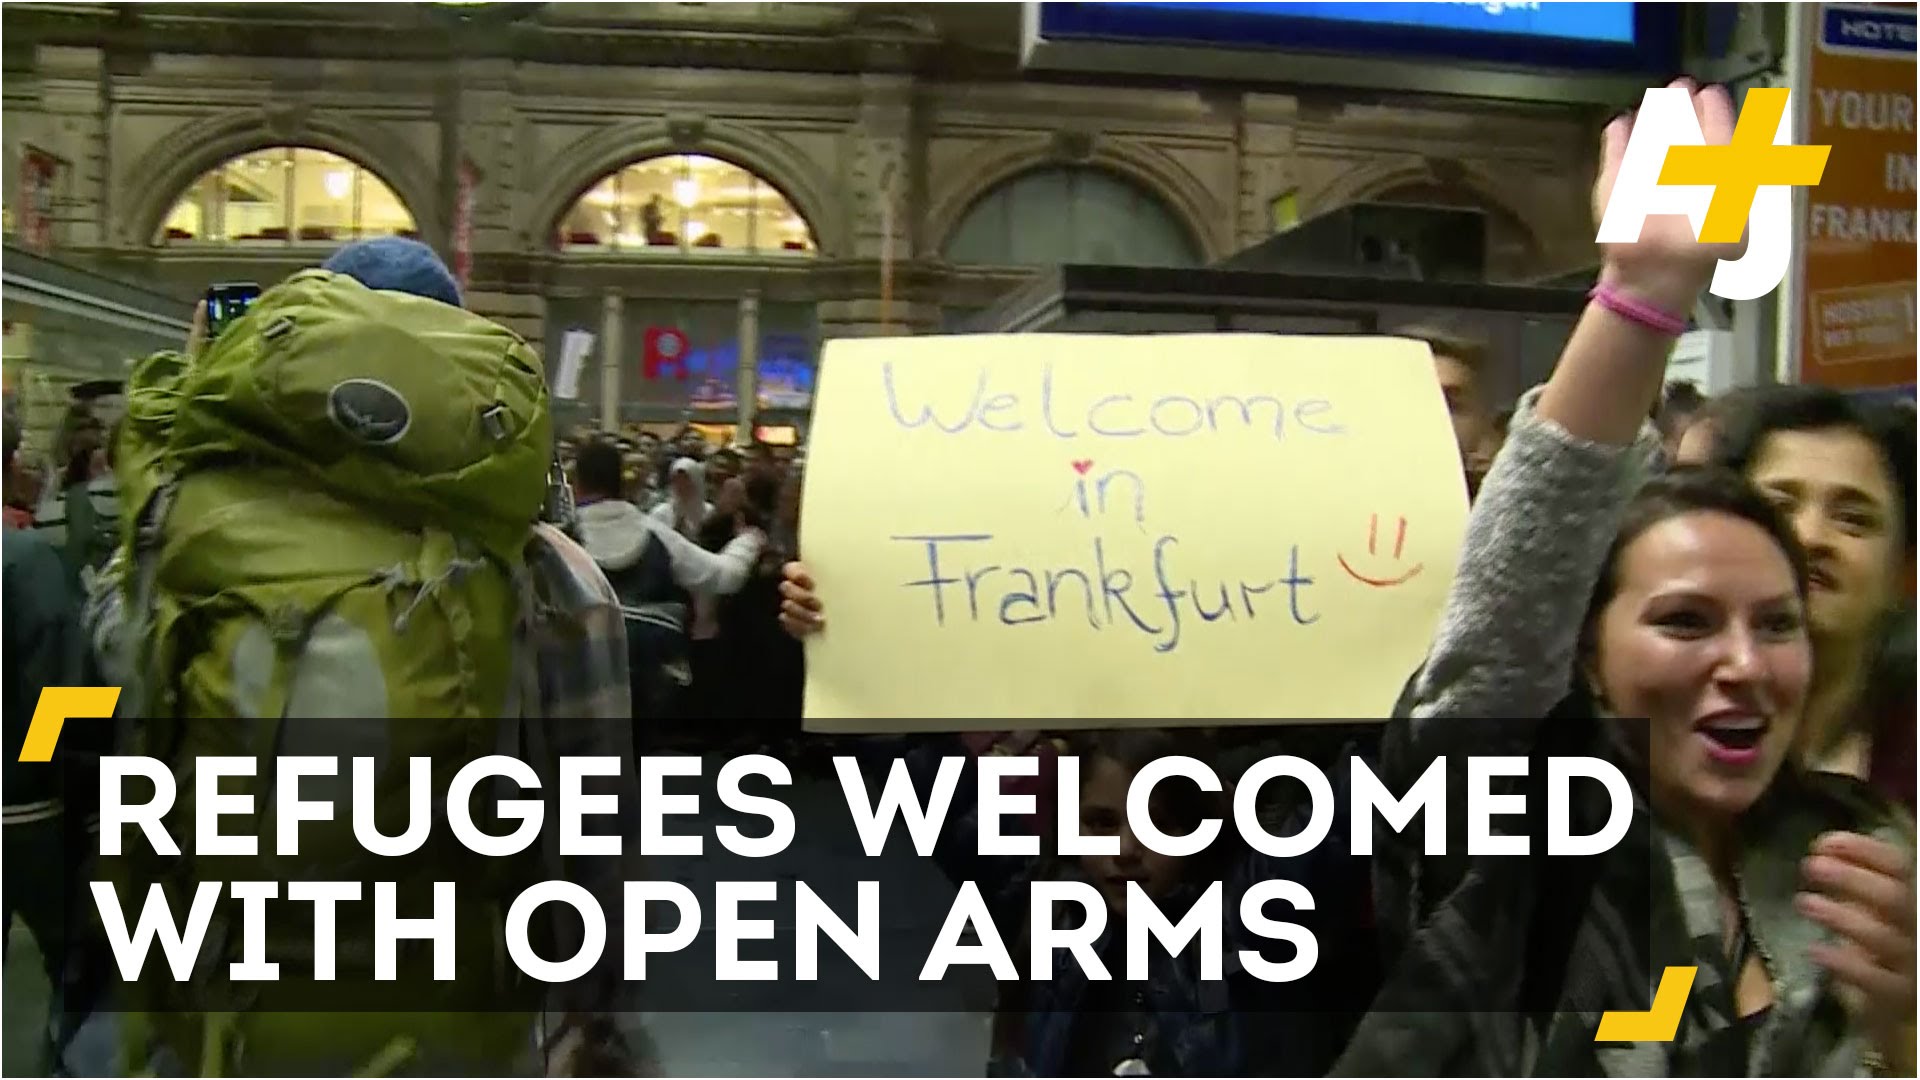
1841	472
1661	624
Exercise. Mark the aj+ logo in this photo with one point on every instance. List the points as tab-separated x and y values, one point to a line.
1669	169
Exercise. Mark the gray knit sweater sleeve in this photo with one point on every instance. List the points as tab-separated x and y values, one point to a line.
1539	530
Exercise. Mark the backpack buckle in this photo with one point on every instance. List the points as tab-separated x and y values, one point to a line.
153	517
494	422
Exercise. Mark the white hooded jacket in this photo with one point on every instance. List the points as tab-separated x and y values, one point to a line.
615	533
685	516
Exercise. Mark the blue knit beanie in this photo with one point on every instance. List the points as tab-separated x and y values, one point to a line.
397	264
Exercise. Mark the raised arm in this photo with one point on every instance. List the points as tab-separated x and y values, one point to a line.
1579	448
698	570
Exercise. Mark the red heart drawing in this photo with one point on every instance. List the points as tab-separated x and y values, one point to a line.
1082	466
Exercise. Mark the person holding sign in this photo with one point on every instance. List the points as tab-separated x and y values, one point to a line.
1582	597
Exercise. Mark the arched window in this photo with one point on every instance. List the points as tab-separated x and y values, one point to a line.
685	203
286	195
1071	215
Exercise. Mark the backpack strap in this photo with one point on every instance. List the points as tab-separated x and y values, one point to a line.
135	643
528	721
531	616
668	616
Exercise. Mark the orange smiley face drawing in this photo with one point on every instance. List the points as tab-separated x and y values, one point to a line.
1373	548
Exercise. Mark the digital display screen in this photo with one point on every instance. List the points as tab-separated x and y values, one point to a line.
1607	22
227	303
1610	36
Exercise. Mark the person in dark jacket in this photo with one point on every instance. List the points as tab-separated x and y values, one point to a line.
656	572
47	810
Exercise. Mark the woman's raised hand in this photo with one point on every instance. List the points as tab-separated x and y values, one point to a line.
1668	267
1616	360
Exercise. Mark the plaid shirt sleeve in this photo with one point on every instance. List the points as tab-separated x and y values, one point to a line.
580	640
586	703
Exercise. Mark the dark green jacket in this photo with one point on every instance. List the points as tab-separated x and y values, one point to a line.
44	647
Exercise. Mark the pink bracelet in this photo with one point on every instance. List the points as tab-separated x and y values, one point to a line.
1638	311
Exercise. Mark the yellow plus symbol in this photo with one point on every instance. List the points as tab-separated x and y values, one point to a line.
1737	171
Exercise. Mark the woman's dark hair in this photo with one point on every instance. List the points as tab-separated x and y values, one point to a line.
1689	489
1757	416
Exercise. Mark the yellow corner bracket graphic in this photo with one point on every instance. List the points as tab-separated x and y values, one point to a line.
1658	1024
51	712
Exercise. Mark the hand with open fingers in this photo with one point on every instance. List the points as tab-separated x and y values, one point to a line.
799	608
1667	267
1861	889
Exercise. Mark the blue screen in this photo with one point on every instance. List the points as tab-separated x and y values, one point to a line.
1601	22
1555	34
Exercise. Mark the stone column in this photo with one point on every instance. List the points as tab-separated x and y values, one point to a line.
613	317
478	124
1265	149
747	380
485	128
75	98
884	188
883	177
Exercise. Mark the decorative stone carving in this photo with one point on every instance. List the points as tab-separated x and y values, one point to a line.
1072	146
285	120
1448	172
686	132
878	177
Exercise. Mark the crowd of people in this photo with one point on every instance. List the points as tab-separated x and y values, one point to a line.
693	539
1714	593
1738	573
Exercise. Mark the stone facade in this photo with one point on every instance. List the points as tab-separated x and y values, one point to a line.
845	108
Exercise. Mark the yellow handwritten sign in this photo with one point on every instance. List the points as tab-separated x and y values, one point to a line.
1086	530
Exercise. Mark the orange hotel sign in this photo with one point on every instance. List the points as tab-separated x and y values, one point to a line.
1857	233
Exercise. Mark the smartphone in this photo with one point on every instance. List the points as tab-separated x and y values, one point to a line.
226	303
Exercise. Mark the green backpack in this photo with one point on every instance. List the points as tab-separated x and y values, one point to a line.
325	520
